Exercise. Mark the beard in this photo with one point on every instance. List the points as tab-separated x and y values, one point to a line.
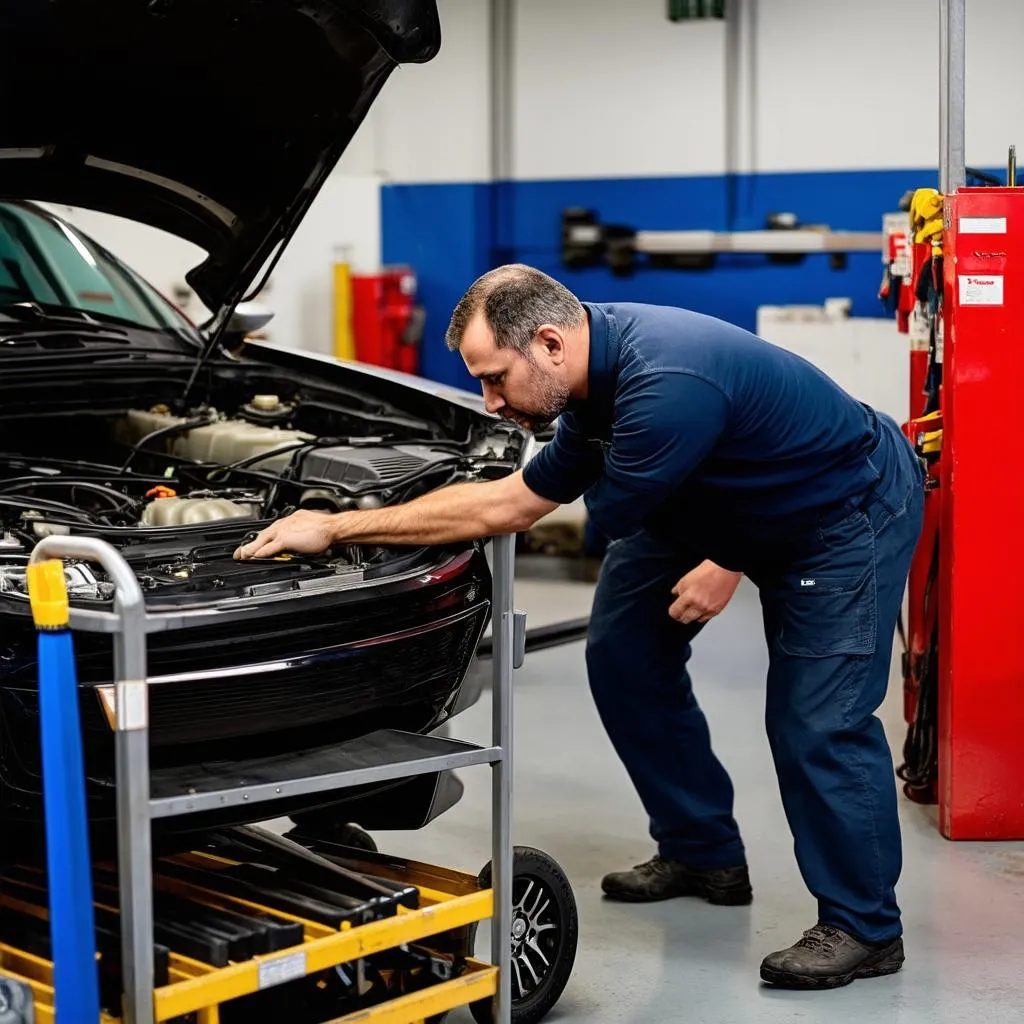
548	400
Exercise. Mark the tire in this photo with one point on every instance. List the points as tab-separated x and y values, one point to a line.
353	835
543	897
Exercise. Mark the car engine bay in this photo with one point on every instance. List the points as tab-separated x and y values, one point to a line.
176	491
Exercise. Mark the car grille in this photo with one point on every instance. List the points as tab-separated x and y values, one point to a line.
412	671
244	688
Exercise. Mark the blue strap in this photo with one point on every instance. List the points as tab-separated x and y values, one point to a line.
72	929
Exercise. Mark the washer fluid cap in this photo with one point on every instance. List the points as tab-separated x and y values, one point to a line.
266	403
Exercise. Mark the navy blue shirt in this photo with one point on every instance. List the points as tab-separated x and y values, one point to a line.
705	433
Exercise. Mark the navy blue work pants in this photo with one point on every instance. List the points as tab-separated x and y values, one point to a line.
831	601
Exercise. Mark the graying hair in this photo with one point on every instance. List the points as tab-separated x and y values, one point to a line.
516	301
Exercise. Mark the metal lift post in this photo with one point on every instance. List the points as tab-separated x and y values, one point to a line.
130	623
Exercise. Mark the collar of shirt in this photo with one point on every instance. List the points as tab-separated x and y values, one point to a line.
604	364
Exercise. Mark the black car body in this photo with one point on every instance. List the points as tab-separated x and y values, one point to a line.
120	420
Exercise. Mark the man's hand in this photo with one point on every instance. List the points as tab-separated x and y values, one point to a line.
303	532
703	593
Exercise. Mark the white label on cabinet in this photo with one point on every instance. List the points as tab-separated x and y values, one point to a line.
982	225
981	289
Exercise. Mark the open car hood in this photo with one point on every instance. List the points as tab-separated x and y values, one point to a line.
215	120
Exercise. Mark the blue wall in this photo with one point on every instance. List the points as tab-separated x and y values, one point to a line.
451	233
443	232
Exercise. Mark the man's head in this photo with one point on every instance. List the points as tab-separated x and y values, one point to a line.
525	337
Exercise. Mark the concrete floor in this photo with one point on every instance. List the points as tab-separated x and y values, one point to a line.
687	962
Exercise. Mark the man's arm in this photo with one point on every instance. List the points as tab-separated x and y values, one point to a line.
461	512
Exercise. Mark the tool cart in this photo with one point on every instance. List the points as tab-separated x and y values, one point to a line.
248	925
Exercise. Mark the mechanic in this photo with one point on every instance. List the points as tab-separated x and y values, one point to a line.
704	453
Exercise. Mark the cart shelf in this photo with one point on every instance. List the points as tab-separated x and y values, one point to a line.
377	757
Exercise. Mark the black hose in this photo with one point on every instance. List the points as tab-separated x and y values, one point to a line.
919	770
42	505
251	460
32	483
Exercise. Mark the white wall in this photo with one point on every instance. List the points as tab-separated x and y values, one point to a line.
822	103
431	120
342	226
608	89
866	356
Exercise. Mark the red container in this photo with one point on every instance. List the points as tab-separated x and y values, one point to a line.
387	324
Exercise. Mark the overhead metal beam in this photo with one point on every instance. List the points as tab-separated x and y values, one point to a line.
952	124
502	109
732	75
501	38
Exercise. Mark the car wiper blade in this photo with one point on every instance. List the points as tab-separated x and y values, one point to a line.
96	348
23	317
70	336
27	318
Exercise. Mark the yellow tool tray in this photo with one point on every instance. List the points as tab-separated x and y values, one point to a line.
449	900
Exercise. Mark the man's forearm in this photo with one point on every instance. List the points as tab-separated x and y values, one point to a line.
460	512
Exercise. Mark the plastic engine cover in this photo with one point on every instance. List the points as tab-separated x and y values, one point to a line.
347	465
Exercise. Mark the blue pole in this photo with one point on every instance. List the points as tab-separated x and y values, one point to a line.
68	856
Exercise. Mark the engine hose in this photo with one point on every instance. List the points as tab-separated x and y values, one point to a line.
27	485
32	504
294	446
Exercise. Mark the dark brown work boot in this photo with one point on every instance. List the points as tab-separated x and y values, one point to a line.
828	958
663	879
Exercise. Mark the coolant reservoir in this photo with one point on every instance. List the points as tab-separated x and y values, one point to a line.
224	441
233	440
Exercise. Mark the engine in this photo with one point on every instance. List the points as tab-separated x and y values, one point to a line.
175	492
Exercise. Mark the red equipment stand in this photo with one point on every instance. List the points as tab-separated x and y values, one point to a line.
981	543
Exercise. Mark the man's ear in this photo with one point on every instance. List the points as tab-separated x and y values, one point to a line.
552	341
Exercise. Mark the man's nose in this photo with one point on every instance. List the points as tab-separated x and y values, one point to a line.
493	402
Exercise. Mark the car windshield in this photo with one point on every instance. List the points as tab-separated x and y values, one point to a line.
46	261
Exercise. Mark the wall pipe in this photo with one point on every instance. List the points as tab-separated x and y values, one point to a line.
952	124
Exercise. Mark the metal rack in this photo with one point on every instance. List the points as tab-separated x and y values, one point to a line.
143	796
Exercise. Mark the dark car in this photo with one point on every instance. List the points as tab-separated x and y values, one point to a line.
120	420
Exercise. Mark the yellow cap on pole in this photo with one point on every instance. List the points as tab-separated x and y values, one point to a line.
344	338
48	593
